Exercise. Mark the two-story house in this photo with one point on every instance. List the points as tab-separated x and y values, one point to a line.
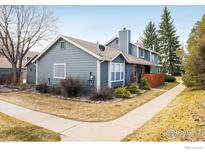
123	43
114	64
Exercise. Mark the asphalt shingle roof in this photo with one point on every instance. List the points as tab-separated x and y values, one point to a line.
109	52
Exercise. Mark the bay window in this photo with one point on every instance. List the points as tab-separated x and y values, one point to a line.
117	72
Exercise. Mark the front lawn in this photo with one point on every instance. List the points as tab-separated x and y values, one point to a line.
15	130
78	110
181	120
168	85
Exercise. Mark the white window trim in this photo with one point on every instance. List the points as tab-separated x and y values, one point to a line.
143	53
59	77
122	69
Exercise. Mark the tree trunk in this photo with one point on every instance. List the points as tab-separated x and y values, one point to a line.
19	70
15	72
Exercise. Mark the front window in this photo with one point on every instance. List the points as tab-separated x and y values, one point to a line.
117	72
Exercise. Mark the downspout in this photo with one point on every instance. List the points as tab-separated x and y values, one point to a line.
36	72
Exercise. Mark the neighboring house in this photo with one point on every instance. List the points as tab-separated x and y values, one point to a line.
5	65
29	73
123	43
112	65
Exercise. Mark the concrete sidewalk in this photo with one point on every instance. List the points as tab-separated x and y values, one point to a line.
115	130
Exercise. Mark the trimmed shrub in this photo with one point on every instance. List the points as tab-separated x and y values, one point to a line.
54	90
103	94
169	78
133	88
144	84
42	88
70	87
122	93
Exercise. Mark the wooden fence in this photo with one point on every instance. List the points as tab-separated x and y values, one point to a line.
154	79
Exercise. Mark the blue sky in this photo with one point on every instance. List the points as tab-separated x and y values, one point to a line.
101	23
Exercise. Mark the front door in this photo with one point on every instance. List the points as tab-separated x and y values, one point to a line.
141	70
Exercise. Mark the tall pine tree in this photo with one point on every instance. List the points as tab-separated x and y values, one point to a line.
150	38
168	43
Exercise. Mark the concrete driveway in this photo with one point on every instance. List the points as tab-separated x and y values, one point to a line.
114	130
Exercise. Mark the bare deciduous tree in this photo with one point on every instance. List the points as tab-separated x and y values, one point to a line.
22	27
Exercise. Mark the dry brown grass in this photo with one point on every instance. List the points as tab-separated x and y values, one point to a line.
168	85
178	78
77	110
185	116
15	130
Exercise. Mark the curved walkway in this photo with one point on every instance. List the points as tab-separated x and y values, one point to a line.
114	130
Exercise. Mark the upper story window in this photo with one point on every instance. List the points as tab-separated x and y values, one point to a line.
142	53
62	45
59	70
152	58
117	72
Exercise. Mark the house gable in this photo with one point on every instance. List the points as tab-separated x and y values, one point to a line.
60	37
119	59
78	63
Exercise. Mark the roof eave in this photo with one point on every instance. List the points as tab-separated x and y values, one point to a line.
31	60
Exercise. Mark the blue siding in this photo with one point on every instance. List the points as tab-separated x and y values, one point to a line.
113	44
147	55
133	50
155	59
31	73
119	59
104	75
117	84
128	72
78	64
